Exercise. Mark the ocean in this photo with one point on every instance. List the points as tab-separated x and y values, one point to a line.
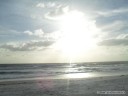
22	71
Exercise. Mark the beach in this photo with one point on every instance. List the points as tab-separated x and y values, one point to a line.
94	86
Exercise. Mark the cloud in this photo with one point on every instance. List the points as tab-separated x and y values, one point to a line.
114	29
41	5
122	36
113	21
115	34
38	33
114	42
57	13
46	5
112	12
114	26
7	31
27	46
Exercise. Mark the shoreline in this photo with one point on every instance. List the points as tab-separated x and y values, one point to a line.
33	80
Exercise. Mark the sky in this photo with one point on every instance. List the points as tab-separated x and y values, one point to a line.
63	31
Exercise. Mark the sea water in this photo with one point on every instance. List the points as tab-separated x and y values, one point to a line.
21	71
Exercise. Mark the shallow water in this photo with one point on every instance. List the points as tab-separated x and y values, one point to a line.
76	70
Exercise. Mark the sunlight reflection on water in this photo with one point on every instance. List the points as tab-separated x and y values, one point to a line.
79	75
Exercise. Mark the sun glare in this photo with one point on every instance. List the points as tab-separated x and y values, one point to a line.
79	75
78	33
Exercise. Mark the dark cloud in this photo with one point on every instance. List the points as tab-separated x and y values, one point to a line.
114	42
28	46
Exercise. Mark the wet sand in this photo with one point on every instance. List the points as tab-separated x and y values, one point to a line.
65	87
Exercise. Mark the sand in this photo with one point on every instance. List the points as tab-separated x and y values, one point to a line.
96	86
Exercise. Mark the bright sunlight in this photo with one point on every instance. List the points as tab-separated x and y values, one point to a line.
78	33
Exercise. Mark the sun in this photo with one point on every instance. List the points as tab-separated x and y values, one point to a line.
77	33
